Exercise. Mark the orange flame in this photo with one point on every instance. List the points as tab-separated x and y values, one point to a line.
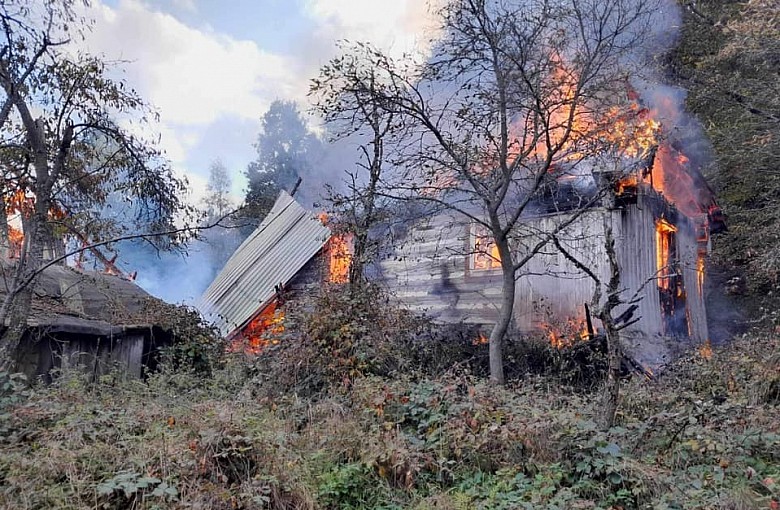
664	232
486	254
480	340
339	258
263	330
700	267
568	333
15	240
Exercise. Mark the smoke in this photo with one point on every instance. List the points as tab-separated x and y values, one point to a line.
179	276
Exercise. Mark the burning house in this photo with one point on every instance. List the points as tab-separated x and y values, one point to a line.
651	197
282	256
449	268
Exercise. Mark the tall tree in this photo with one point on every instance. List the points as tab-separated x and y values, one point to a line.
284	147
217	200
66	151
514	98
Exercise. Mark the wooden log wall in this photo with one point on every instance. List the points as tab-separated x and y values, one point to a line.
429	271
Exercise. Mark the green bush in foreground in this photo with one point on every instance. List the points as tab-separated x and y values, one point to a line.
703	436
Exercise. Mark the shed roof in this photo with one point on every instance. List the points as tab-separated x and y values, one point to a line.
69	300
283	243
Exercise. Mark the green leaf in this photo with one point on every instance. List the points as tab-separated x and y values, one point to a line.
610	449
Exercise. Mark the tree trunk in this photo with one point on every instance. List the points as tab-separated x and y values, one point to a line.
16	307
5	237
611	392
505	313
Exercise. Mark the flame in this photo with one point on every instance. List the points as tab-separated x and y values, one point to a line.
15	240
629	129
480	340
486	254
700	267
706	350
22	203
672	176
339	251
627	184
263	330
664	237
568	333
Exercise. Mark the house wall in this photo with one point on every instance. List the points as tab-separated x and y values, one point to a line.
96	356
429	272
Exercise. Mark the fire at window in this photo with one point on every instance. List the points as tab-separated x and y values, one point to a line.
670	282
484	252
339	251
263	330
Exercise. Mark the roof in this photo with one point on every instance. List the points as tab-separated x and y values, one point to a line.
283	243
68	300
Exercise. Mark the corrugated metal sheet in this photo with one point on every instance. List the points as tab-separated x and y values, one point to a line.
286	240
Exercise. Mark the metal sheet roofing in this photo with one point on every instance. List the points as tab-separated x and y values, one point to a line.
285	241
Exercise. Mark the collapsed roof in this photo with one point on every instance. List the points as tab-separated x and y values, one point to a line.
268	259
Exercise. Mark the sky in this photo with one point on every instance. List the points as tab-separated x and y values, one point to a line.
212	67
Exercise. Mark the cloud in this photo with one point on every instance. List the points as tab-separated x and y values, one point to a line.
191	76
398	27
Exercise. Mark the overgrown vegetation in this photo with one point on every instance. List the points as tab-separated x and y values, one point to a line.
353	412
727	60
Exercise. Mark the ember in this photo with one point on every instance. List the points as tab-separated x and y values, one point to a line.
339	251
263	330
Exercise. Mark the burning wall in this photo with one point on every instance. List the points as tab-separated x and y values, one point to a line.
551	292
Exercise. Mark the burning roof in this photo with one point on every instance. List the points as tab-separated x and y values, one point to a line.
269	258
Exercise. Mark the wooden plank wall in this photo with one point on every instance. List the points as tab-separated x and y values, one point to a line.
428	272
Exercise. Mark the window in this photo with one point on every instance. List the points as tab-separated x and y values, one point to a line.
483	252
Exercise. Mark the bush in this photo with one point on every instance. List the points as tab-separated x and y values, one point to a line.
335	338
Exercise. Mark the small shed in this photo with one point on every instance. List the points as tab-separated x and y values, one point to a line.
95	321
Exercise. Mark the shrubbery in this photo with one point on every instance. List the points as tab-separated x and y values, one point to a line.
368	408
338	335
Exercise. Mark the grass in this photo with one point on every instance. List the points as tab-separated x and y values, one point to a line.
704	435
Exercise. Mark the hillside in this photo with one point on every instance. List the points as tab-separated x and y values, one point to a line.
728	60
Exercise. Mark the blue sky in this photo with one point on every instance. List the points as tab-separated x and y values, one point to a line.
211	67
273	24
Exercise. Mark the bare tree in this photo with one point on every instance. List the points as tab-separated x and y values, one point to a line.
606	299
515	98
345	95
